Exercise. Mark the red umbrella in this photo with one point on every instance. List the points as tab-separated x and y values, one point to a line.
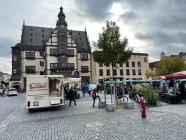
177	75
159	78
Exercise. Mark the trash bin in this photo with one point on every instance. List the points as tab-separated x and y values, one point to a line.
101	103
110	107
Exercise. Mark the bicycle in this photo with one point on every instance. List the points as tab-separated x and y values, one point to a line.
137	97
120	96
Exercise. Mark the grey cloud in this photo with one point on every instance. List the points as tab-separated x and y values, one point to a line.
172	22
161	23
140	4
142	36
5	46
162	38
129	17
96	9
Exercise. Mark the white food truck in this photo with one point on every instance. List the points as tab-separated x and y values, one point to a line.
44	91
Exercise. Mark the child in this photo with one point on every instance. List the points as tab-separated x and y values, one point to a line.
94	96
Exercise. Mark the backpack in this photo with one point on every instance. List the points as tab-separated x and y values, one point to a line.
93	93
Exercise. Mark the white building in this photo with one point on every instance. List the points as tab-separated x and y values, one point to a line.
135	68
51	51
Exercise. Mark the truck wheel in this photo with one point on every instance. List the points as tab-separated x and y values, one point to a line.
29	110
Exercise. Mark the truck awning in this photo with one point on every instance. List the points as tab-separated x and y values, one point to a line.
58	77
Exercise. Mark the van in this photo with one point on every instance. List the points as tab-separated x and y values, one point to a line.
44	91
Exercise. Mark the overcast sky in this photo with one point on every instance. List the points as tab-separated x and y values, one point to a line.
150	25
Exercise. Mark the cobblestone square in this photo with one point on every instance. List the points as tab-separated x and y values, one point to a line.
82	122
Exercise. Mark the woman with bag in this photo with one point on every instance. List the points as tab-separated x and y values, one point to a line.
94	96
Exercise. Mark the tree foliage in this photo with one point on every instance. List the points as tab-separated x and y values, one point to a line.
170	65
149	74
110	49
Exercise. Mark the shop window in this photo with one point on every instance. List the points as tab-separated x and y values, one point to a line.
42	63
127	64
121	72
100	72
108	72
114	72
127	71
133	72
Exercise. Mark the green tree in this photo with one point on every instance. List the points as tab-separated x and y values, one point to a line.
110	49
170	65
149	74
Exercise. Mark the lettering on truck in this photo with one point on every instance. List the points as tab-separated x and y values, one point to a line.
38	86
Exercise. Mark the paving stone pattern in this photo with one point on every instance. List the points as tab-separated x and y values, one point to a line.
70	123
9	104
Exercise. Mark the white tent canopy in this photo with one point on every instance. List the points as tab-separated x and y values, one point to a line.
72	80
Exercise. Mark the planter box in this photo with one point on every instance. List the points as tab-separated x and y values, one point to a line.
129	105
119	102
110	107
101	104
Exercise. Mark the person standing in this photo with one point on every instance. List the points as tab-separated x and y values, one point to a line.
182	90
83	90
98	88
94	96
72	96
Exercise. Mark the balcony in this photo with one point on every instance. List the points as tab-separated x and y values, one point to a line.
84	58
28	71
70	55
63	66
66	66
53	54
30	58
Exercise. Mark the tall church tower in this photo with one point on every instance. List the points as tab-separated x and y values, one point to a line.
162	55
62	39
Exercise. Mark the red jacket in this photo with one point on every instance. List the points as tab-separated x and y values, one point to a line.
93	93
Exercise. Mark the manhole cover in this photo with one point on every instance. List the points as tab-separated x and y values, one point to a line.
94	124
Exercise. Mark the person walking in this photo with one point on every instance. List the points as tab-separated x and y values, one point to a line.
94	96
72	96
83	90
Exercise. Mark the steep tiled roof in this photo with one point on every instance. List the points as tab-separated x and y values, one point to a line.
38	34
153	64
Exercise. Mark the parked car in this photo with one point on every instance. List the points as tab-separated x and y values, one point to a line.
12	91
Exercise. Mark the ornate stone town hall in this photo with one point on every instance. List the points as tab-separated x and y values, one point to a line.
51	51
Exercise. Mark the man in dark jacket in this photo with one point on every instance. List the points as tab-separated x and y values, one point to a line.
182	90
72	96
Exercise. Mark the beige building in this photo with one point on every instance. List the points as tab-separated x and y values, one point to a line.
49	51
134	69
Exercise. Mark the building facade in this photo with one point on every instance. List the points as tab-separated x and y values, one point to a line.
152	65
135	68
49	51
